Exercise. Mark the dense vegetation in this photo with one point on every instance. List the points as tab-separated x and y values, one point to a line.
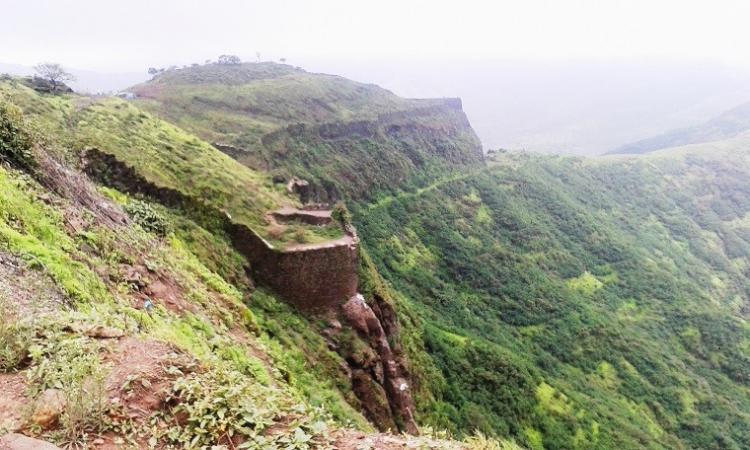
580	304
567	303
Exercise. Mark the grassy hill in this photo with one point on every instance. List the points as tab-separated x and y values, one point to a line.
728	125
351	140
128	324
563	302
167	156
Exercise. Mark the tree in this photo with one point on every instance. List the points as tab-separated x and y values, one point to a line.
54	74
153	71
229	59
283	60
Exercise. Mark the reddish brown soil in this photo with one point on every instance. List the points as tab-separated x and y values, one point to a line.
13	401
356	440
139	380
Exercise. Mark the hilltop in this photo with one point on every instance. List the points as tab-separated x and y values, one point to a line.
350	140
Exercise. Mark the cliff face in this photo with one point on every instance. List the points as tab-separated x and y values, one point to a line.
378	368
320	279
355	159
349	140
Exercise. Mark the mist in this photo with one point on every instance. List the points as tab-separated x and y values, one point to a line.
578	77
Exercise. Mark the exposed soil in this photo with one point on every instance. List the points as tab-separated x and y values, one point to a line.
357	440
13	400
139	376
24	291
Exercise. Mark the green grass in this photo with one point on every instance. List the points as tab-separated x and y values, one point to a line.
242	105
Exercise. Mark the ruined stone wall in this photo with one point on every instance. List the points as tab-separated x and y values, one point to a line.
310	278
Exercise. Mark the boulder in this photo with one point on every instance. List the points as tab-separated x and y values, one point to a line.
15	441
48	409
102	332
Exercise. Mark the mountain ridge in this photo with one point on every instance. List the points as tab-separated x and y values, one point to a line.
727	125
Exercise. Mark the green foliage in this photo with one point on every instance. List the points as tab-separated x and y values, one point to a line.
147	217
223	403
577	304
341	214
15	140
36	232
15	340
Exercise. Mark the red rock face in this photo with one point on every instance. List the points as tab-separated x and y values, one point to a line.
384	381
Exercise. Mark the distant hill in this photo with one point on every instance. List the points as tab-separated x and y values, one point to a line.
725	126
87	81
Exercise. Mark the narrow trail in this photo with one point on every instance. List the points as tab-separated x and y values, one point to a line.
386	201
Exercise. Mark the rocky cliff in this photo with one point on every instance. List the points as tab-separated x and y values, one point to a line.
320	279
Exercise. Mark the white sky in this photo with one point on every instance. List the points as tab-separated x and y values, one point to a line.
133	34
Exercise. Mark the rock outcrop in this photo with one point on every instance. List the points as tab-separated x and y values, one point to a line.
15	441
319	277
313	276
380	377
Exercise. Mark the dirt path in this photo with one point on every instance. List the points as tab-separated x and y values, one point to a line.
12	400
356	440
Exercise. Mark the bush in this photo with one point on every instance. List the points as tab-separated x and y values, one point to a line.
341	214
147	217
15	340
15	141
223	406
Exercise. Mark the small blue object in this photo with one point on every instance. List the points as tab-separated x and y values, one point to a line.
148	305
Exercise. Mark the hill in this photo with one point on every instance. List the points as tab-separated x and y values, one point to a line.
725	126
561	302
133	316
580	303
348	139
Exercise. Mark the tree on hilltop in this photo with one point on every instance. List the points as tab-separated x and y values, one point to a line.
229	59
54	74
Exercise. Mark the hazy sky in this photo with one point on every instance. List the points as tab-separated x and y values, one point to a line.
579	76
133	34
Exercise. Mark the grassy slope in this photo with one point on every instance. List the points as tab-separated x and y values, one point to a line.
578	303
236	104
252	358
240	105
229	357
165	155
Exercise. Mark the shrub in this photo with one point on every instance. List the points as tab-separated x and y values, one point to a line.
341	214
147	217
15	140
224	405
15	340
